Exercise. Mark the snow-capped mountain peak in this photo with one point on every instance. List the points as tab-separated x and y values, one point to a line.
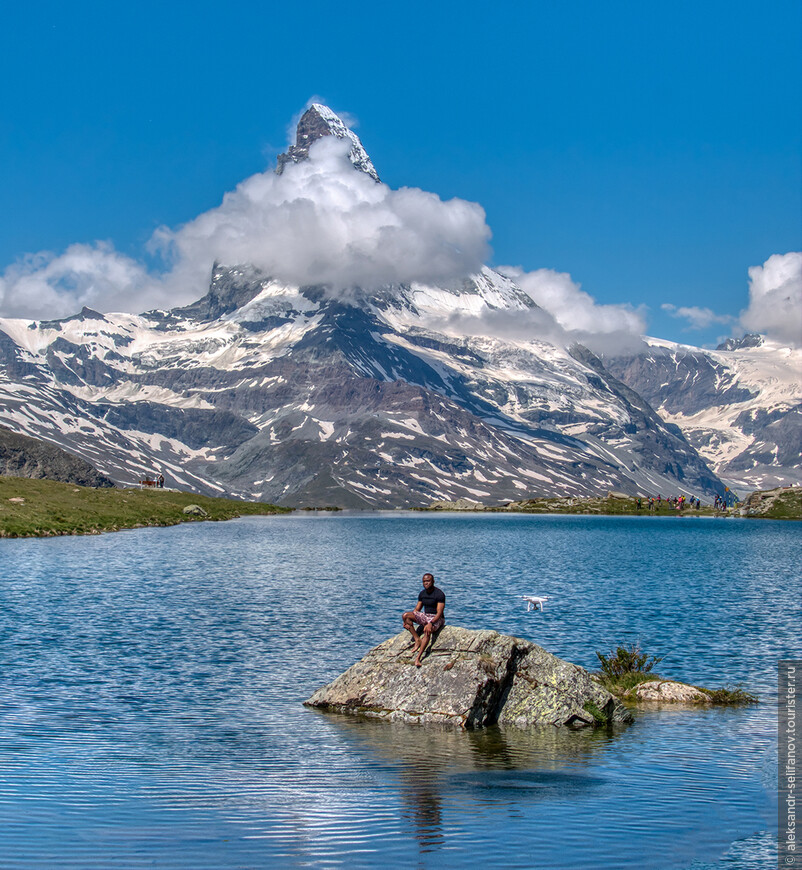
391	388
315	123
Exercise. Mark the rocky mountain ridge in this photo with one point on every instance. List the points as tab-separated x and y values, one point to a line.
740	405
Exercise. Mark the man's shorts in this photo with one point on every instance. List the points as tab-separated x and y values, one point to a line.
428	619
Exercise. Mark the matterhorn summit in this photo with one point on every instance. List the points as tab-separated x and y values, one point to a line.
315	123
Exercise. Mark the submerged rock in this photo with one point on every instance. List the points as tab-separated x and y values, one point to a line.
470	679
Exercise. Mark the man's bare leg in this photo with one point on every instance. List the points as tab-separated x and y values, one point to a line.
424	642
409	625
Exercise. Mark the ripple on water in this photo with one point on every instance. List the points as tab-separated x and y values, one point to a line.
151	685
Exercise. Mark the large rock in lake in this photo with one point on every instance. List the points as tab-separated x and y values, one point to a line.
470	679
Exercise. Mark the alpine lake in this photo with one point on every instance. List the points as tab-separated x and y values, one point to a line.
152	682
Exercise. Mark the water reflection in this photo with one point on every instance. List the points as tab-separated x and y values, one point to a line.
422	804
440	764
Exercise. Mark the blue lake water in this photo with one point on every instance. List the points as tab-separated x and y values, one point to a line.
151	686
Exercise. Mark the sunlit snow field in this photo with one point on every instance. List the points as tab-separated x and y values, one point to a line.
151	688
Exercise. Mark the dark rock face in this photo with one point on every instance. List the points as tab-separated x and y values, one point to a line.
319	121
470	679
777	433
21	456
311	127
84	314
195	427
658	446
751	339
229	289
371	456
682	383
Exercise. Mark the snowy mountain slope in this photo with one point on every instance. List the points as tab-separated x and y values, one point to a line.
274	392
740	405
370	397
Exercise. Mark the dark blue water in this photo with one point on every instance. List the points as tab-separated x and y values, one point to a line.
151	686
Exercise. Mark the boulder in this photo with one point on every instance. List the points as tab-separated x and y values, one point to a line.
461	504
470	679
668	692
195	510
546	690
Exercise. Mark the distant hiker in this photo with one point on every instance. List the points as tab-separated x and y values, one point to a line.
160	481
428	612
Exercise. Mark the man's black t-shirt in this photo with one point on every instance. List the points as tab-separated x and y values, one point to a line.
430	598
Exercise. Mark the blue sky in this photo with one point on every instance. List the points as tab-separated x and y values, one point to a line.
652	151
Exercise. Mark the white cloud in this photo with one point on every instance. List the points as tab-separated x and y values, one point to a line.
571	307
320	222
574	316
698	318
775	299
48	286
563	315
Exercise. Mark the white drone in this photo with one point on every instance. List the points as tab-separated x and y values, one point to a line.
535	602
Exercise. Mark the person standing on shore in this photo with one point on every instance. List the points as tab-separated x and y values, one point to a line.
428	612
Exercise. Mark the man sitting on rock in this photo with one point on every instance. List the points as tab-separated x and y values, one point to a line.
428	612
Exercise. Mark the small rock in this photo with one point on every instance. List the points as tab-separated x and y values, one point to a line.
195	510
668	692
17	500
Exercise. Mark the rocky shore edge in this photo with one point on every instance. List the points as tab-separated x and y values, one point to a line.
783	503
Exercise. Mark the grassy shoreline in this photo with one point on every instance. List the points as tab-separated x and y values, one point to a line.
46	508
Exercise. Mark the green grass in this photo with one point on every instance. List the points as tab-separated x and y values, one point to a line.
729	696
628	666
621	684
627	660
786	506
52	508
598	717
